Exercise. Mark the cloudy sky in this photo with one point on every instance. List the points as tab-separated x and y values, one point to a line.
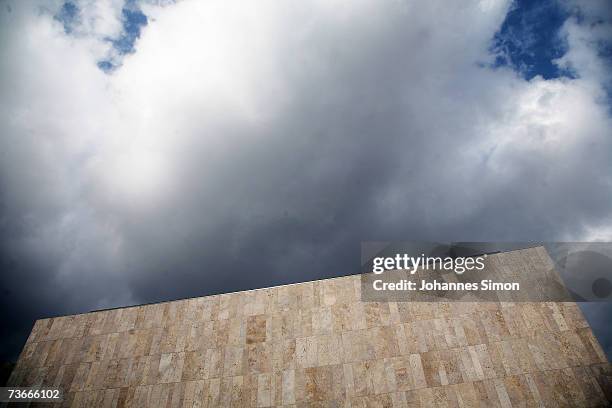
158	150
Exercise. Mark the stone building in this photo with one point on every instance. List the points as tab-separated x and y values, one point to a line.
317	344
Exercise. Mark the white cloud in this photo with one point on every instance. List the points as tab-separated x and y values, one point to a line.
282	128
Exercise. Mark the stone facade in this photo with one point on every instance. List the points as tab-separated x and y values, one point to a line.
317	344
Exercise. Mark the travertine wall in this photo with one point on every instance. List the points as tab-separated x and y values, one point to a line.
317	344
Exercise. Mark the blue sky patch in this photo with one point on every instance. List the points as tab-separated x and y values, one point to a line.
133	20
68	15
529	39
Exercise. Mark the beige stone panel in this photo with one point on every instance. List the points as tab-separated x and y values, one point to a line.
572	390
116	374
189	397
176	392
307	297
137	371
539	354
56	328
235	361
73	350
128	319
489	368
318	384
65	376
237	392
97	348
157	337
553	314
169	339
155	315
328	292
151	370
79	379
508	358
573	315
284	355
54	353
214	393
472	329
435	374
159	395
229	306
551	349
358	316
486	393
34	377
525	360
370	377
96	375
50	375
38	353
383	401
355	346
203	364
225	390
142	340
341	317
519	392
532	317
376	314
174	313
39	330
112	346
502	393
322	322
494	325
466	395
594	352
287	387
451	365
555	389
110	398
306	352
259	358
288	297
572	347
329	349
383	341
26	357
82	399
264	390
110	322
193	336
256	329
71	327
595	383
403	377
424	397
304	323
123	344
142	396
513	318
171	367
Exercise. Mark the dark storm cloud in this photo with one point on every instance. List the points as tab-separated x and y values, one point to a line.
238	149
